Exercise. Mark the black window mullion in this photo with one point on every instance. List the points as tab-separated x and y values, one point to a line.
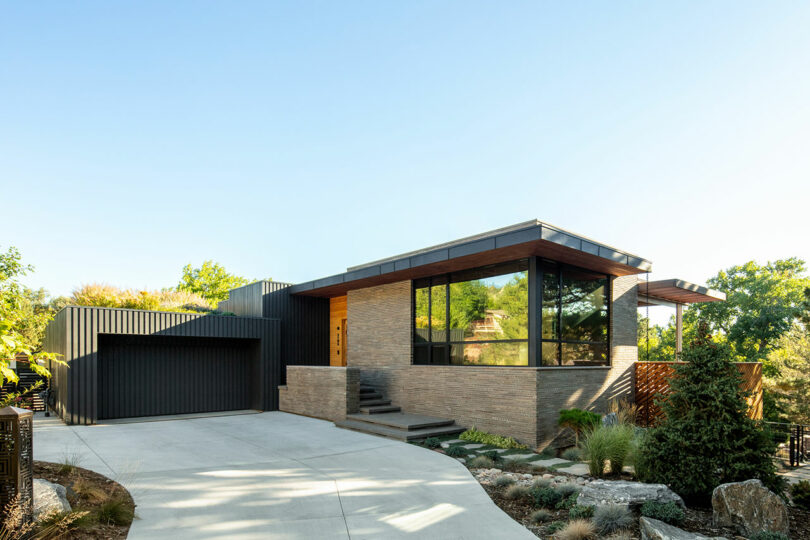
447	320
559	314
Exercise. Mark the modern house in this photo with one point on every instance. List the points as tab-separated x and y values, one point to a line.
500	331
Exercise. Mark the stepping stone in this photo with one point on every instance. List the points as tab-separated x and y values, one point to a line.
472	446
517	457
549	462
447	444
578	469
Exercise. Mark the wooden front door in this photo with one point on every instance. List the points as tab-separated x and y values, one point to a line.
338	315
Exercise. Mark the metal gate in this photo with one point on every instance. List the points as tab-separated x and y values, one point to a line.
160	375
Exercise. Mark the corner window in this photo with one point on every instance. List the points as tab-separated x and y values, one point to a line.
475	317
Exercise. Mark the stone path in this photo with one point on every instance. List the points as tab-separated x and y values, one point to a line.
512	454
796	475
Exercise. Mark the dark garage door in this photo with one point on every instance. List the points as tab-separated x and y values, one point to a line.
157	375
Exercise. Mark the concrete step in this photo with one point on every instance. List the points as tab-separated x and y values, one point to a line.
370	395
366	389
401	420
398	434
379	409
370	402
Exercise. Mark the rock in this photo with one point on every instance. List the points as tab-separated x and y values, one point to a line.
652	529
517	457
631	494
547	475
49	499
527	475
749	507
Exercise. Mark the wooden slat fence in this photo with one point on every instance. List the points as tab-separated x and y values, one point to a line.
652	381
27	377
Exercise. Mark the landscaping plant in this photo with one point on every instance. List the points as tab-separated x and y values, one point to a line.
540	516
572	454
481	462
432	442
577	529
706	437
503	481
578	421
580	511
515	492
456	451
800	493
546	497
768	535
555	526
493	455
475	435
607	444
668	512
610	518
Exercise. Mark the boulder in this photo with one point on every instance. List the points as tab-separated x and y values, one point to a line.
631	494
749	507
652	529
49	499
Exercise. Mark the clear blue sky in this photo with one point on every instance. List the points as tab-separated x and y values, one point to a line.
291	140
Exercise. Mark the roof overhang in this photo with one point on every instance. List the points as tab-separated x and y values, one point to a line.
671	292
531	238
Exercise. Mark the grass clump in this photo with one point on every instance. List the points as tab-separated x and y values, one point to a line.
580	512
568	489
667	512
503	481
800	493
540	516
482	462
516	492
432	442
577	529
608	444
478	436
114	512
456	451
69	463
572	454
610	518
541	483
768	535
546	497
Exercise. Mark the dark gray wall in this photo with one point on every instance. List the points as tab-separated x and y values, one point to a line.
304	320
74	333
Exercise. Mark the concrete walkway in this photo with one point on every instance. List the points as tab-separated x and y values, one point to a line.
275	475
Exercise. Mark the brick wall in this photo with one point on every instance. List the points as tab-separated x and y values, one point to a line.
320	391
519	402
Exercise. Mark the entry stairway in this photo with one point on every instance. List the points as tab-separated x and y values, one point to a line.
378	417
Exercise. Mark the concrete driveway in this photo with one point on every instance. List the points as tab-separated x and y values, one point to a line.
275	475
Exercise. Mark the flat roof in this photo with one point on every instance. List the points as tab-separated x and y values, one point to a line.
675	291
530	238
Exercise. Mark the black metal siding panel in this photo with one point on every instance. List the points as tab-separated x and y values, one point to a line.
74	333
245	301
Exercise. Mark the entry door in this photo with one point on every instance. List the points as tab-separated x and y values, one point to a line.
343	333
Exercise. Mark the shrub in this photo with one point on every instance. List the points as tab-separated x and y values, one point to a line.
768	535
800	493
503	481
515	492
549	452
541	483
475	435
547	497
540	516
555	526
482	462
667	512
706	438
607	444
572	454
432	442
114	512
567	502
493	455
579	511
456	451
568	489
610	518
578	421
103	295
577	529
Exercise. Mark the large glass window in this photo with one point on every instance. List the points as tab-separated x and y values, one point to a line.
475	317
575	317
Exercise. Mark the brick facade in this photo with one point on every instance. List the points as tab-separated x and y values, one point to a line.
514	401
320	391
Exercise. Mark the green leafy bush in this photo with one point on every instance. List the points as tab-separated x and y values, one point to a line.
607	444
540	516
478	436
610	518
568	489
555	526
515	492
768	535
481	462
667	512
432	442
547	497
503	481
456	451
572	454
578	421
567	502
706	438
493	455
580	511
800	493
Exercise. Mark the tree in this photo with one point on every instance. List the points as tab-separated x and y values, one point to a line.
211	281
656	343
706	438
22	319
788	385
762	304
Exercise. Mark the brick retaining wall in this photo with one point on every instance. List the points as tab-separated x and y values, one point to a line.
320	391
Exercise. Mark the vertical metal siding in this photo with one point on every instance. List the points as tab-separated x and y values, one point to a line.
74	334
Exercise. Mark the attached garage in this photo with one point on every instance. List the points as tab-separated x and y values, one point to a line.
129	363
